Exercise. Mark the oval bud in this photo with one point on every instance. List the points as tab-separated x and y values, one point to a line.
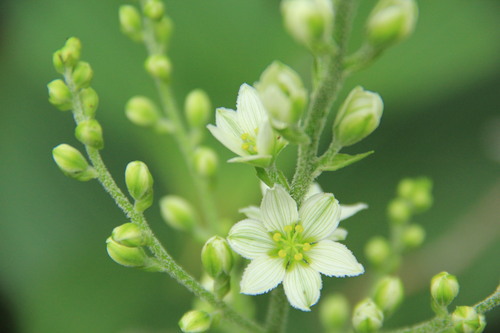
334	312
205	161
177	212
71	52
139	184
130	22
418	191
58	62
154	9
399	211
82	75
90	101
72	163
358	116
59	95
125	255
444	288
466	320
413	236
217	257
129	234
142	111
388	294
163	30
158	66
197	107
377	251
89	132
195	321
367	317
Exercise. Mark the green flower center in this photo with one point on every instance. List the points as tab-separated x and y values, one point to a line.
290	245
249	142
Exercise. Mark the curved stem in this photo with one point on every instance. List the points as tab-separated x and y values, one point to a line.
278	312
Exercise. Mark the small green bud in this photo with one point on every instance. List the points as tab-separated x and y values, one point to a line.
217	257
90	101
358	116
158	66
177	212
89	132
444	288
60	95
283	94
367	317
129	234
139	184
418	191
72	163
197	107
125	255
154	9
399	211
195	321
82	75
467	320
205	161
378	251
58	62
70	53
310	22
388	294
142	111
391	21
163	29
413	236
130	22
334	312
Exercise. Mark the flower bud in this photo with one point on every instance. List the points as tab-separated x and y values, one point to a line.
154	9
358	117
282	93
195	321
159	67
58	62
391	21
142	111
70	53
197	107
222	285
377	251
418	191
125	255
205	161
388	294
466	320
334	312
82	75
139	184
90	101
130	22
310	22
72	163
217	257
163	30
399	211
129	234
177	212
444	288
413	236
59	95
89	132
367	317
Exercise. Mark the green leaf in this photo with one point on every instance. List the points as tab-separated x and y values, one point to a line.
264	176
342	160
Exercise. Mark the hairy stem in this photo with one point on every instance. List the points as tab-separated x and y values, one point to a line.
278	312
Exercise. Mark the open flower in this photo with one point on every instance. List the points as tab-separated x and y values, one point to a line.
292	246
247	131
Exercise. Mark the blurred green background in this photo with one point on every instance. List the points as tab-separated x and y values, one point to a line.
441	92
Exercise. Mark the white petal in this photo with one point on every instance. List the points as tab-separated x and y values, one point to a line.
334	259
347	211
227	121
266	140
262	275
339	234
302	287
252	212
250	239
250	110
261	161
278	209
320	216
228	140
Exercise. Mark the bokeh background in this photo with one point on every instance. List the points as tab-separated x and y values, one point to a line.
441	119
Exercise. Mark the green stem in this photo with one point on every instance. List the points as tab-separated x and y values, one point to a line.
278	312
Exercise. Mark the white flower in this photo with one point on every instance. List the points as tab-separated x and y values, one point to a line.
247	131
292	246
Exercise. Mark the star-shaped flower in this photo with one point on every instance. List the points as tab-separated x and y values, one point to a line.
292	246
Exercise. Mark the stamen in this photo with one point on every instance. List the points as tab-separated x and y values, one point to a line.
306	246
288	228
298	256
245	146
277	237
299	228
282	253
244	136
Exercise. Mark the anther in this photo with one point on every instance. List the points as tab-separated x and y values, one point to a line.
282	253
306	247
298	256
288	228
277	237
299	228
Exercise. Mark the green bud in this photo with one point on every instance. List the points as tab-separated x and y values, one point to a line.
163	30
125	255
142	111
89	132
413	236
90	101
197	107
391	21
131	22
399	211
222	285
60	95
444	288
154	9
158	66
70	53
217	257
205	161
358	117
58	62
367	317
388	294
378	251
466	320
129	234
283	94
418	191
139	184
334	312
72	163
177	212
82	75
310	22
195	321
